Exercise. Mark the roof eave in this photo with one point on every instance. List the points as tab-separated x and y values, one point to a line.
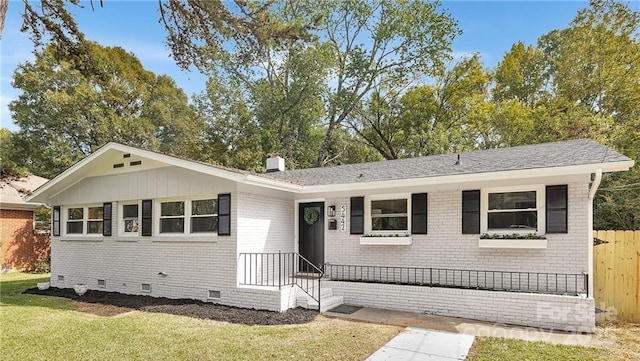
21	206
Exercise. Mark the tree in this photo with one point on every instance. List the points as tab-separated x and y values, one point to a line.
64	115
521	75
303	91
382	45
596	63
8	166
4	6
444	117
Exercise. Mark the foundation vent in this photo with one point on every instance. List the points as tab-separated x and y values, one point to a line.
214	294
146	287
102	283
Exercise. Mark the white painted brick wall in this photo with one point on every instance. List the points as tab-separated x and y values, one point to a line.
193	265
566	313
446	247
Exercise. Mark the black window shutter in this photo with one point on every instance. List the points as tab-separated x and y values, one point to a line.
357	215
471	212
224	214
56	220
557	205
106	219
147	221
419	207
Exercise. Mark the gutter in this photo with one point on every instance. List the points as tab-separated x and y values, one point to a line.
592	193
595	184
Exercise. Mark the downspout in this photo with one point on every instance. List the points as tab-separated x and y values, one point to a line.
592	192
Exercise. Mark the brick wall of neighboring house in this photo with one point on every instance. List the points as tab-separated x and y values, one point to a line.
21	247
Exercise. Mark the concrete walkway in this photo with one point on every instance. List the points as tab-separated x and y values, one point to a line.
417	344
470	327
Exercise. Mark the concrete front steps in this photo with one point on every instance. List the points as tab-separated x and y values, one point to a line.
327	300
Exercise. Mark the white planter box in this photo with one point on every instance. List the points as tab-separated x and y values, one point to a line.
513	243
386	241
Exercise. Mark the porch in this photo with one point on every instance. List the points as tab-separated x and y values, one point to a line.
527	296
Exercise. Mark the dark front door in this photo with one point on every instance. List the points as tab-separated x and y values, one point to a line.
311	232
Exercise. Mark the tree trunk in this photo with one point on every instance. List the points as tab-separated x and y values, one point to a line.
4	6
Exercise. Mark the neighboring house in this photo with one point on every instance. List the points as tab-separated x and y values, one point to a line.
399	234
24	237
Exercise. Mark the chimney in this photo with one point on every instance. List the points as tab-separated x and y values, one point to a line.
275	164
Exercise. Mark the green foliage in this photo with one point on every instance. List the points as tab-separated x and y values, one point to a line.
8	167
64	115
521	75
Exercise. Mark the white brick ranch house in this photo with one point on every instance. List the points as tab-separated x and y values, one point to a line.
501	235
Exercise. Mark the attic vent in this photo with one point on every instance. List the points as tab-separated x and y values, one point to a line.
127	155
214	294
146	287
118	165
60	278
102	283
136	162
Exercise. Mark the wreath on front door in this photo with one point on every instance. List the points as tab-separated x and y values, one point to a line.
311	215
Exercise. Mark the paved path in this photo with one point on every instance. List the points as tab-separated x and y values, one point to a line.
418	344
471	327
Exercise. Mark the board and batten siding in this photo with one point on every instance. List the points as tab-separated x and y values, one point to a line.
446	247
165	182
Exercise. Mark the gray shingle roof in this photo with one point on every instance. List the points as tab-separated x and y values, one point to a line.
558	154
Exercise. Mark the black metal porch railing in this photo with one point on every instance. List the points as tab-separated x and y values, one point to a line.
280	270
530	282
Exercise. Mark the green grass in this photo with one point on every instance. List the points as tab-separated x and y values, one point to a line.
495	348
50	328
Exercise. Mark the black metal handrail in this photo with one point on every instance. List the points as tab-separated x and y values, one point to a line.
530	282
280	269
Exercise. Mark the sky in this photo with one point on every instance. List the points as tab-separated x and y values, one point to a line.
489	28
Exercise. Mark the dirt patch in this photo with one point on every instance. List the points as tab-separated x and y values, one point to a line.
182	307
99	309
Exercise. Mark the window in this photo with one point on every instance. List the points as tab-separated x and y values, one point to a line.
86	220
172	217
388	214
75	220
198	216
94	223
512	210
130	220
204	216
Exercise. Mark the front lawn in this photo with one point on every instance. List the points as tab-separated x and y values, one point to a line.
51	328
621	343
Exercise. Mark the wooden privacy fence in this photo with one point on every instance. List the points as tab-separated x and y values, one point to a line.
616	268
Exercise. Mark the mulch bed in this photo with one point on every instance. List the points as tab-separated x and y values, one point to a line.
183	307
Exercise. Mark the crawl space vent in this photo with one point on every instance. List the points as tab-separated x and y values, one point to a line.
60	278
214	294
102	283
146	287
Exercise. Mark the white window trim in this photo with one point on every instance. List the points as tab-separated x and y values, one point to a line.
187	217
85	219
540	208
378	197
121	229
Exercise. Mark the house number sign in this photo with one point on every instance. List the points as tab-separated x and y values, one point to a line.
342	222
